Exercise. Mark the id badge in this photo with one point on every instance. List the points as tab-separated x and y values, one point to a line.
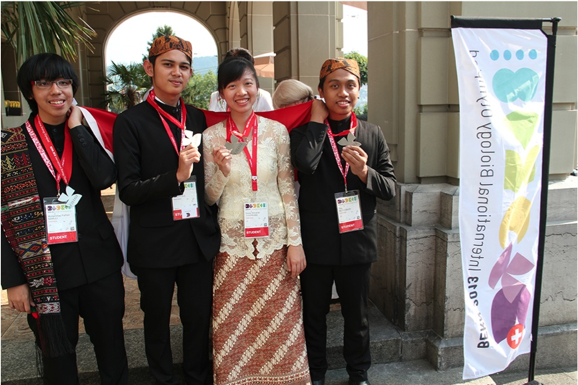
349	211
60	221
186	205
256	216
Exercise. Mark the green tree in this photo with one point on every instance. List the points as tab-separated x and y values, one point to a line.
199	89
362	61
361	112
33	27
126	84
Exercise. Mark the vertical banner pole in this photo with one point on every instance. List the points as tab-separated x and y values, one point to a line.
544	193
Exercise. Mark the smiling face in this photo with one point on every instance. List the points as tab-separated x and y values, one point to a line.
241	94
53	102
340	91
170	75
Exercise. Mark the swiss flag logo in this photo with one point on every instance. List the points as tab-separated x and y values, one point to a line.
515	336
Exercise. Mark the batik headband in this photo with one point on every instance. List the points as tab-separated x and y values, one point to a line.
168	43
332	65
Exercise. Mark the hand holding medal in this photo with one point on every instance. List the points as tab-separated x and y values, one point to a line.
357	160
222	157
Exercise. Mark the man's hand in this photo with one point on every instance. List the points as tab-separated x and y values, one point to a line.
19	298
74	117
296	260
319	111
187	158
222	158
357	160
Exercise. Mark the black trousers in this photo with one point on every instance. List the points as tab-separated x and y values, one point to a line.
101	305
352	284
194	296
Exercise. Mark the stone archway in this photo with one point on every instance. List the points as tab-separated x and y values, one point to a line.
105	16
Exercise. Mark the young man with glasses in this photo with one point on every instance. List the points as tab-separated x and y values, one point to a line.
60	257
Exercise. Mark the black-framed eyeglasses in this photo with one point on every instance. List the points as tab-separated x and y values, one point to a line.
45	84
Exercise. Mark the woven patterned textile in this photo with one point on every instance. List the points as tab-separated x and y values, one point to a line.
257	324
23	220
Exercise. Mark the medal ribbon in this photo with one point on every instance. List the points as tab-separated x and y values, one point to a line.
182	124
51	160
352	127
252	123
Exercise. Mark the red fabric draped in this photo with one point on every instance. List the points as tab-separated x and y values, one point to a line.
290	117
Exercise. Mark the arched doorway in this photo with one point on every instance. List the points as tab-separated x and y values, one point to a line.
105	17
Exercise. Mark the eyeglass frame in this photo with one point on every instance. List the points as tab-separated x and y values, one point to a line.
52	82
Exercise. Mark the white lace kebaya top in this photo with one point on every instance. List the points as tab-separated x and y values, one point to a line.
275	186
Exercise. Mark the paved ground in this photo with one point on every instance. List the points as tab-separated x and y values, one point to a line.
15	332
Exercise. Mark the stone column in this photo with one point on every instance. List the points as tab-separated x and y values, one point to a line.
306	34
256	32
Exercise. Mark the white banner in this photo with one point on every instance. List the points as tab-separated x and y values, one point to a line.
501	79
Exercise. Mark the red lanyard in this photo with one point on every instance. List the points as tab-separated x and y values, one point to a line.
64	164
252	160
181	124
352	127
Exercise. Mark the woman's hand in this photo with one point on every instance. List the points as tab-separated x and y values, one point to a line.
296	262
222	158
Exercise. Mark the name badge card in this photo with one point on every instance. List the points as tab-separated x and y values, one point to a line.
60	221
256	219
349	211
186	206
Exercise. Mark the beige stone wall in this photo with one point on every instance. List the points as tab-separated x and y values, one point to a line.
413	86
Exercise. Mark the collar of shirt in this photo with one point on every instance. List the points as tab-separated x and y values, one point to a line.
338	126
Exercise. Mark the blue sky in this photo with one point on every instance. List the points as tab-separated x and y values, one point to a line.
128	41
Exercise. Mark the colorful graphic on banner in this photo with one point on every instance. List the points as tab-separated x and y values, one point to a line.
501	81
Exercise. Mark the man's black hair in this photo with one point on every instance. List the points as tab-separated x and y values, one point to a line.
44	66
232	69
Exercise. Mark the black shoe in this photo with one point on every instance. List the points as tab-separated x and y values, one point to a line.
365	382
318	382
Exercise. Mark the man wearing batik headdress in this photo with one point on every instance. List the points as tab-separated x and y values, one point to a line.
343	166
60	258
173	234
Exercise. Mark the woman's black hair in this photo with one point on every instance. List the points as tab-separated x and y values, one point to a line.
232	69
44	66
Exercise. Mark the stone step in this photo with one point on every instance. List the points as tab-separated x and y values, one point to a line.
19	357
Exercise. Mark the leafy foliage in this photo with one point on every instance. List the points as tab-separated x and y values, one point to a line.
361	112
35	27
199	89
362	61
126	85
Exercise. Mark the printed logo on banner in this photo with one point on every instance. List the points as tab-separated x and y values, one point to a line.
511	303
